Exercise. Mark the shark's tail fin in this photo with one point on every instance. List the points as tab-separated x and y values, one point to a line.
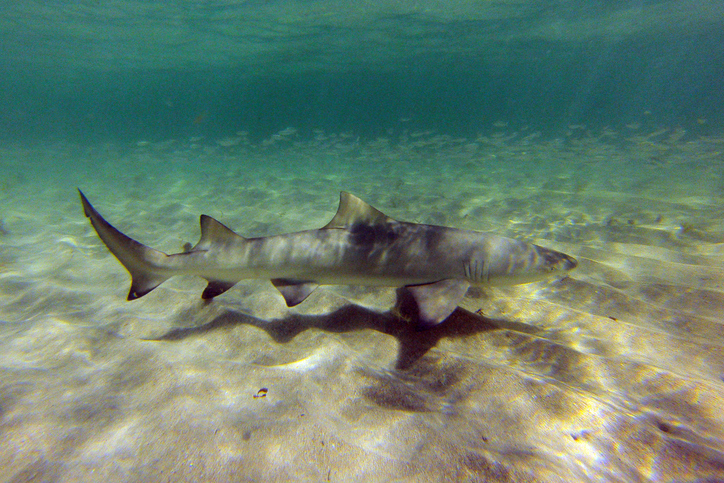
143	263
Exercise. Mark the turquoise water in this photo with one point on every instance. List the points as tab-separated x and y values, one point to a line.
592	131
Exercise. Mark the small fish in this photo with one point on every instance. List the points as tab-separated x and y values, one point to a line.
201	117
360	246
261	393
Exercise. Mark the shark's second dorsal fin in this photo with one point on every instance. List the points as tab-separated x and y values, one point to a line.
214	232
353	210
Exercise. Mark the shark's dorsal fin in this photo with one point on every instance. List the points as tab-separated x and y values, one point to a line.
353	210
213	232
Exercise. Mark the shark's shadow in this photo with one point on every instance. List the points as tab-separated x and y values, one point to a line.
399	323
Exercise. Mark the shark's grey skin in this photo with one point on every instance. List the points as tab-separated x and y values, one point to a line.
361	245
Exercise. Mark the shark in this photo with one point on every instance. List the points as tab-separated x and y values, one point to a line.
359	246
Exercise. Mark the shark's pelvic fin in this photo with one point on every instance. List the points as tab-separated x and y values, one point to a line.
436	301
294	291
353	210
142	262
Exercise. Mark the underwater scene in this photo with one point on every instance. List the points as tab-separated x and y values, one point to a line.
593	130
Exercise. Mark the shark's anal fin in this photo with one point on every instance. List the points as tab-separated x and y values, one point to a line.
294	291
216	287
436	301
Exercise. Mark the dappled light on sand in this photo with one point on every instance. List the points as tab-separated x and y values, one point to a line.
613	373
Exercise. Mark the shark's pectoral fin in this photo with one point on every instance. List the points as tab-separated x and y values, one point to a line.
436	301
294	291
216	287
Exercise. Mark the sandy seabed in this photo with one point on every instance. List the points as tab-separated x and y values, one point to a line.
612	374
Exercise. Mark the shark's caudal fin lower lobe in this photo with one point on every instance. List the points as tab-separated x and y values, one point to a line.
142	262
